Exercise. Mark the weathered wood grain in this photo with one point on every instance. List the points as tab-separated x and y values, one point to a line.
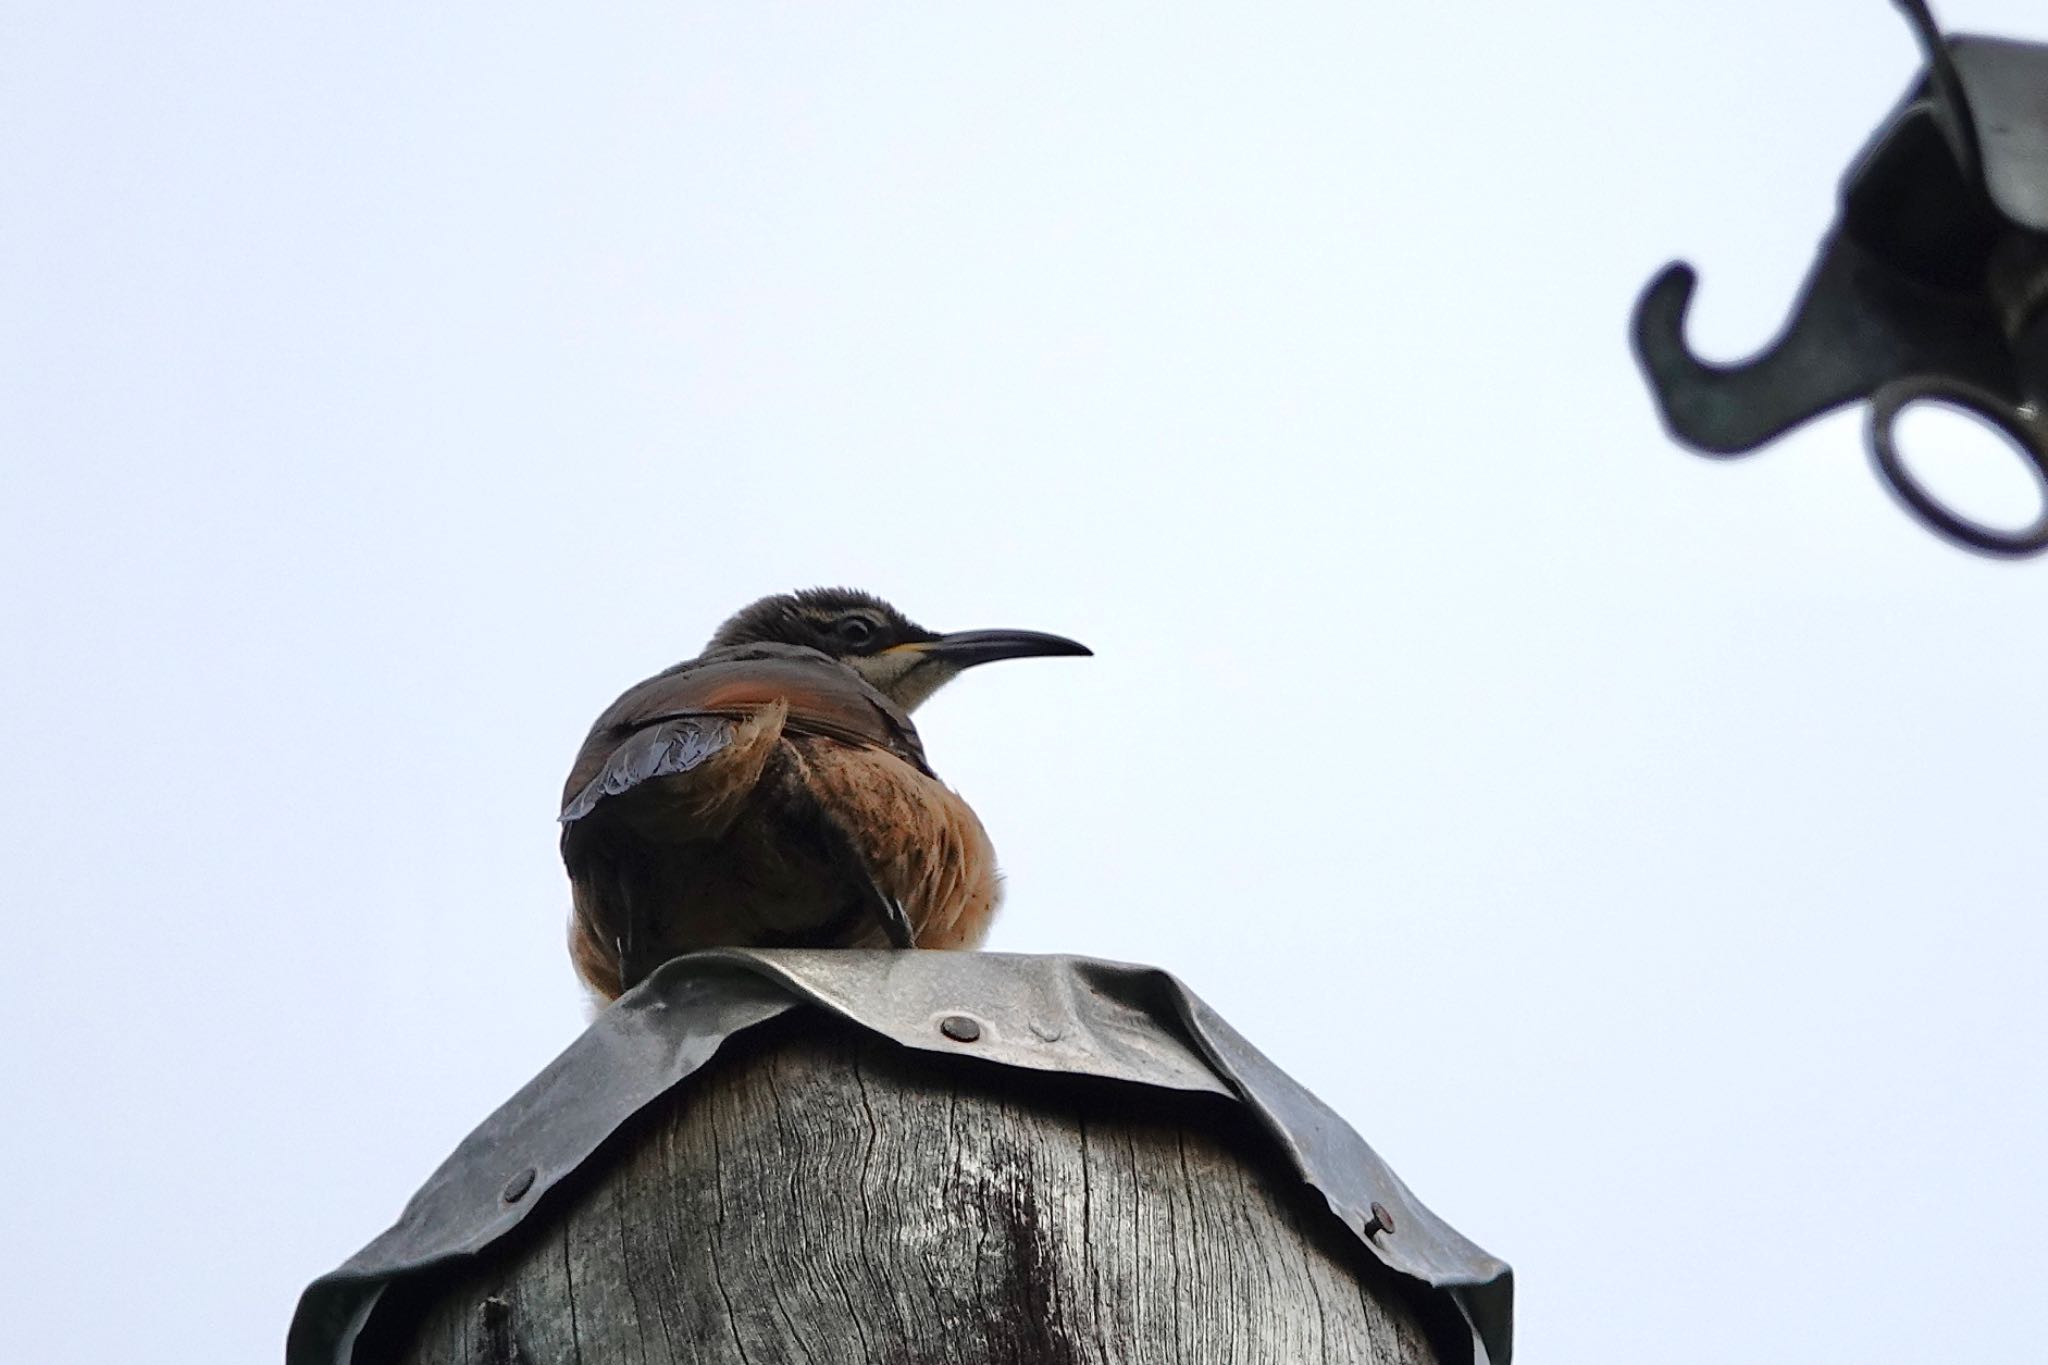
824	1196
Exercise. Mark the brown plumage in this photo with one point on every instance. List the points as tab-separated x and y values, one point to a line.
773	792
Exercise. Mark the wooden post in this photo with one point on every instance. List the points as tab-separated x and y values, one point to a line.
820	1194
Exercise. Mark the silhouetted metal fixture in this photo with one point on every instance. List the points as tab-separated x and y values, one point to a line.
1933	285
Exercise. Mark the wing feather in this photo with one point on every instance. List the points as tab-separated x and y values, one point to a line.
666	749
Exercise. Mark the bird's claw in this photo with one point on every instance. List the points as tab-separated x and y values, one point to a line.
896	922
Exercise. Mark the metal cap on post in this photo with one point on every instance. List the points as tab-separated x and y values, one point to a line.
934	1156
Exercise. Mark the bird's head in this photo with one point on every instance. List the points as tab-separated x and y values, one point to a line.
899	658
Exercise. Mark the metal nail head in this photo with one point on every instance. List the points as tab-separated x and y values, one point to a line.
1381	1220
960	1028
518	1185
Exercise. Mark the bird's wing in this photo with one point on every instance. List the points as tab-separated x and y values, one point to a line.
685	718
663	749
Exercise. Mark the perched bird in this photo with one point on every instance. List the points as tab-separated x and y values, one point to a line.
772	792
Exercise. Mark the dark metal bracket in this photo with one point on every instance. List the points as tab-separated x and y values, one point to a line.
1932	286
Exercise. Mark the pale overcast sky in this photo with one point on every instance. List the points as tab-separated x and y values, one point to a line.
1640	851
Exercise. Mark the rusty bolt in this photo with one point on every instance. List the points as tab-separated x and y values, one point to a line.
1381	1220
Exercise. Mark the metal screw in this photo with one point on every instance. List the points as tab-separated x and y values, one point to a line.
518	1185
960	1028
1381	1220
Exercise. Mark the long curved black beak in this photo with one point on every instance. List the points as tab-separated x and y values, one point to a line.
966	648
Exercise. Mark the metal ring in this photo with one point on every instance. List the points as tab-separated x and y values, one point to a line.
2019	426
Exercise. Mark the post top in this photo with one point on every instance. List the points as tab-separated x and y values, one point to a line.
1071	1015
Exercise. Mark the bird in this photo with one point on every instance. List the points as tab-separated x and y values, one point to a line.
773	792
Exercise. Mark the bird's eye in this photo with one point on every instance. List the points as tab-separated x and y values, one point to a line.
856	630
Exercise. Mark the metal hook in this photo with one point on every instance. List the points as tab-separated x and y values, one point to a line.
1933	284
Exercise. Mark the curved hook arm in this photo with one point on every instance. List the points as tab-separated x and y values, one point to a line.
1954	109
1836	349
